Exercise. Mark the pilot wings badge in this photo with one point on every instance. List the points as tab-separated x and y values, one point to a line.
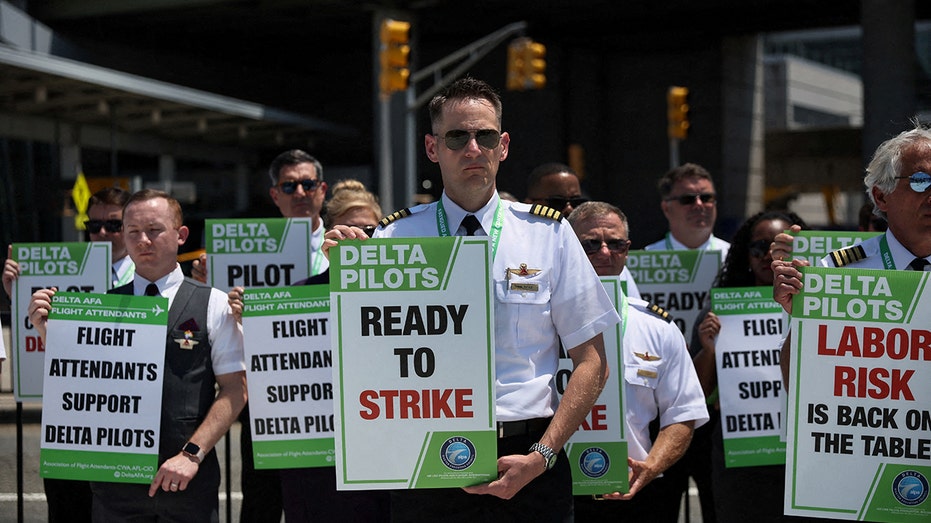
187	342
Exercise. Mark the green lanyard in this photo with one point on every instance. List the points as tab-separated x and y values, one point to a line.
442	225
888	262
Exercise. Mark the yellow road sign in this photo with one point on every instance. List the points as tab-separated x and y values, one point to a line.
80	193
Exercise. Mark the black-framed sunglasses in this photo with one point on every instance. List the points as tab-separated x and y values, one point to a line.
369	230
759	248
110	225
457	138
290	187
689	198
559	203
617	246
919	182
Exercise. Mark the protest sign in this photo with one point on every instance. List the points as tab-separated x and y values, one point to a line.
261	252
598	450
859	439
414	366
749	377
286	332
814	245
103	386
67	266
677	281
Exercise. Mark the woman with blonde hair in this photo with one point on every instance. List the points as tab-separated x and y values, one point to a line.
352	204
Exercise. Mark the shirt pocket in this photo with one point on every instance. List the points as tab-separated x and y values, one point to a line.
642	375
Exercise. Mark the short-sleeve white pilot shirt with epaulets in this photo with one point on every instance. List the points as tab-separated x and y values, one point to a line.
659	377
670	243
569	303
868	254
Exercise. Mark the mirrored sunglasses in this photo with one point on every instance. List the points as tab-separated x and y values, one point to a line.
618	246
689	198
109	225
290	187
919	182
458	138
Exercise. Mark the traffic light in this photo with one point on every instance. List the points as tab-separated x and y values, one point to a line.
395	55
678	112
526	65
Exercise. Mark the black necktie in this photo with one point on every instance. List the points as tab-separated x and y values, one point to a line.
151	290
919	264
471	224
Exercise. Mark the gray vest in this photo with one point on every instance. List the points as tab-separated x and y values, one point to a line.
189	386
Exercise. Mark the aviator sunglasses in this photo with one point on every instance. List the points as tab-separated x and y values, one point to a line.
618	246
290	187
109	225
458	138
919	182
689	198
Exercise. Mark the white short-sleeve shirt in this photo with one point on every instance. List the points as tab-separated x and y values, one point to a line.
570	303
659	378
224	333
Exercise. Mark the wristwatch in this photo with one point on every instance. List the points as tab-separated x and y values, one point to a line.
548	454
192	450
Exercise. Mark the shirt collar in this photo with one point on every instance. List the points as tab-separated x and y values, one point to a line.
900	255
455	214
166	282
679	246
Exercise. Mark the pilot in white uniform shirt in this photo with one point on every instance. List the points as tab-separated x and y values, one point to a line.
557	295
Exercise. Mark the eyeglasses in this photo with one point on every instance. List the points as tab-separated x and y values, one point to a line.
759	248
618	246
560	203
689	198
369	230
458	138
919	182
290	187
110	225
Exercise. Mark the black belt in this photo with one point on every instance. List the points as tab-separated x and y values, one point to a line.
507	429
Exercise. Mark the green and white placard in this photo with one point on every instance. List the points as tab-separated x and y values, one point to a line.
597	451
859	442
677	281
67	266
414	366
814	245
103	387
261	252
289	368
749	377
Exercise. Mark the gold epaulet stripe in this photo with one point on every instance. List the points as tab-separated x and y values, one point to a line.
397	215
848	255
546	212
659	311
